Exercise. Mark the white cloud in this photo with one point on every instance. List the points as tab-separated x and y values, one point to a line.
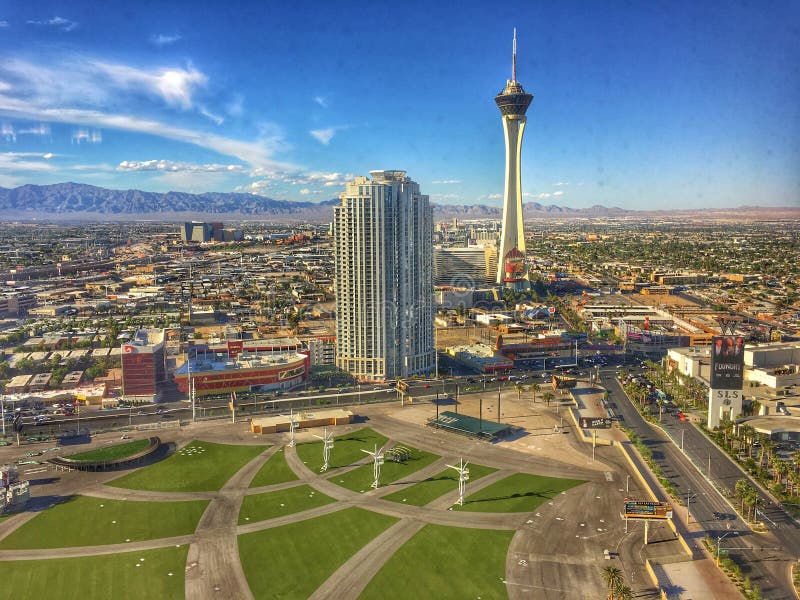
235	107
561	183
324	136
4	24
58	22
305	192
558	193
90	136
173	166
494	197
48	156
42	129
322	101
23	161
174	85
7	132
314	181
210	115
163	39
446	181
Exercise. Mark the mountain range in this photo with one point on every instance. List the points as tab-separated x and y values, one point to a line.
75	201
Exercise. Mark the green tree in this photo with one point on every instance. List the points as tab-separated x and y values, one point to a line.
612	577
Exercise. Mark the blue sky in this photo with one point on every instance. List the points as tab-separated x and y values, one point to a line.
637	104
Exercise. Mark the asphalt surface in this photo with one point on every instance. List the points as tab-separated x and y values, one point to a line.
768	568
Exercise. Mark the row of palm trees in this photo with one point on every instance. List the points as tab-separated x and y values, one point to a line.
617	588
744	438
535	388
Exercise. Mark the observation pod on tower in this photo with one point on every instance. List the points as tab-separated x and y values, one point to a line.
513	103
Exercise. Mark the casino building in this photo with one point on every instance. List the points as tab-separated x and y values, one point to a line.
144	368
260	365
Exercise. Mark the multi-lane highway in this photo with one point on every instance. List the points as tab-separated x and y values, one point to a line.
768	568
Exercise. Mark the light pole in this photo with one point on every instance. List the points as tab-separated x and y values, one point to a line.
463	477
3	411
719	541
627	483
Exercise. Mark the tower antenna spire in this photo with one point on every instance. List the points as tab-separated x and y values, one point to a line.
514	57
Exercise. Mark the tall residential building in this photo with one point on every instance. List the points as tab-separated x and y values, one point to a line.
383	240
469	266
513	102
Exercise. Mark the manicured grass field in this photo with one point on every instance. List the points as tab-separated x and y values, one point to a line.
517	493
198	467
111	452
118	576
260	507
87	521
275	470
445	562
431	488
293	560
360	479
346	450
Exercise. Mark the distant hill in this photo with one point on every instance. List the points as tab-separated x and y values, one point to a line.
76	201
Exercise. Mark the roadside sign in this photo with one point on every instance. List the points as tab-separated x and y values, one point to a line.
595	423
551	310
648	510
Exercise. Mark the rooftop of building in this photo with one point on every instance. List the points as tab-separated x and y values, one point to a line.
217	362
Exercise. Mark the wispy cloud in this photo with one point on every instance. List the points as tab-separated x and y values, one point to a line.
324	136
23	161
494	197
4	24
7	132
305	192
175	86
558	193
162	39
561	183
43	93
446	181
173	166
322	101
48	156
40	129
57	22
90	136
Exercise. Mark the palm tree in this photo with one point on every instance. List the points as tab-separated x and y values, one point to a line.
612	577
536	388
548	396
623	592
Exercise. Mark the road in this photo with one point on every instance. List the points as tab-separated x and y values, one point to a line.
769	569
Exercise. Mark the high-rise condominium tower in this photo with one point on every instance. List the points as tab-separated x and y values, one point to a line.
383	233
513	102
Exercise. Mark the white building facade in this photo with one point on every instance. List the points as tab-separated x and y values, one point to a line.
383	244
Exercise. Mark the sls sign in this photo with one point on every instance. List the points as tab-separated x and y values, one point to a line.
727	374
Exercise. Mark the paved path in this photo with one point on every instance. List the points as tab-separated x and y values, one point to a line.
213	566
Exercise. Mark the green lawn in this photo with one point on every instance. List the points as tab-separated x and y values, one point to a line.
517	493
260	507
111	452
360	479
445	562
275	470
101	577
198	467
293	560
346	450
431	488
88	521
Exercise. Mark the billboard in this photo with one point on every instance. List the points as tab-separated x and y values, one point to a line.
648	510
727	362
595	423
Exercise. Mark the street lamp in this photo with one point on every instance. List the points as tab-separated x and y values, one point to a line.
722	537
